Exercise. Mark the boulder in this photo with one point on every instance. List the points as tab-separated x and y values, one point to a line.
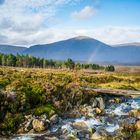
80	125
38	125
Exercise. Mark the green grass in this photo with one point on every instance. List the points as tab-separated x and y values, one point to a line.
48	109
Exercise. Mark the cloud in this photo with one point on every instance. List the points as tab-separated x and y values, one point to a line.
109	35
86	12
20	19
29	15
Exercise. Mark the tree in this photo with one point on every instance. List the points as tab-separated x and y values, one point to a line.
70	64
11	60
110	68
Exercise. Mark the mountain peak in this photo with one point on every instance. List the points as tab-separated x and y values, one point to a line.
82	37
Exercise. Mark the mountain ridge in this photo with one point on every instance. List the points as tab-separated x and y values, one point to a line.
83	48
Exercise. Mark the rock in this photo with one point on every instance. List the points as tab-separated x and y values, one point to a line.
137	125
135	113
28	126
96	136
43	117
84	133
38	125
20	130
71	137
54	119
98	111
31	131
87	111
28	117
79	125
93	102
129	127
101	104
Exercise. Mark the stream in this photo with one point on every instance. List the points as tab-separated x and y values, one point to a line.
108	124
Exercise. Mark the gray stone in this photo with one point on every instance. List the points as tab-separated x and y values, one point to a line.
79	125
101	103
54	119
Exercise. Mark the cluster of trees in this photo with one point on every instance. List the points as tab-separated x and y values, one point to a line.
29	61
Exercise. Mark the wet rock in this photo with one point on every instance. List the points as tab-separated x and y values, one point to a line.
86	134
137	125
79	125
96	136
54	119
38	125
135	113
71	137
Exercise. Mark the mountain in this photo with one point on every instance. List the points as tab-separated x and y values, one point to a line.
7	49
128	53
88	50
83	49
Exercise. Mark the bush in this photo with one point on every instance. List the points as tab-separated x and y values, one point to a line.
11	123
110	68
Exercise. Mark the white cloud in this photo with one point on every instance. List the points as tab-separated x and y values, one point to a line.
28	15
109	35
85	13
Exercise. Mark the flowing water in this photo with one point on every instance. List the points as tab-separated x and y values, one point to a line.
106	123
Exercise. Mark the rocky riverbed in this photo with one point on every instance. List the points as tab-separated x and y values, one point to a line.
101	118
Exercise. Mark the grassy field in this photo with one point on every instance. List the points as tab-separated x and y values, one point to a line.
123	78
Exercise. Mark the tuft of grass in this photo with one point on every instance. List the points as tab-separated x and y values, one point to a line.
48	109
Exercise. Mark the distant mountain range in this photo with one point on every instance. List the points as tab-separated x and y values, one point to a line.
83	49
7	49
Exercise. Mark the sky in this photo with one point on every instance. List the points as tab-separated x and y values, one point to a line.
29	22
